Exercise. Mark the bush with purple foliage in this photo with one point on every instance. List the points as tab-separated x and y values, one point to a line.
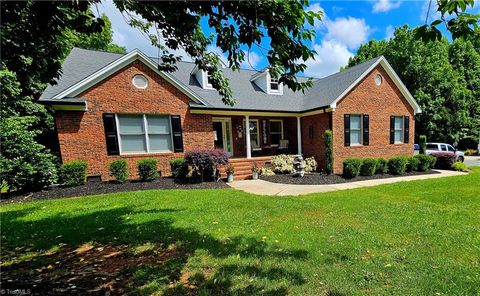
445	160
204	162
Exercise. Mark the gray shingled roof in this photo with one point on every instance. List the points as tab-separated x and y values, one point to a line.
82	63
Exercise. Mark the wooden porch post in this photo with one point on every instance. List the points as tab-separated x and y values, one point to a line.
299	135
247	136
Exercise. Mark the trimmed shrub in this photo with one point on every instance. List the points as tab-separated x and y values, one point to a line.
179	168
282	164
397	165
147	169
381	167
412	163
422	139
433	161
369	165
310	164
329	152
204	162
444	161
119	170
424	162
459	166
264	171
351	167
471	152
73	173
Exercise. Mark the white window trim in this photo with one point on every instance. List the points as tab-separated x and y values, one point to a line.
224	121
258	133
146	79
205	80
271	91
402	130
361	130
145	133
281	130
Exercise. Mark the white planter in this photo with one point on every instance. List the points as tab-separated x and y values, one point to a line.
255	175
229	178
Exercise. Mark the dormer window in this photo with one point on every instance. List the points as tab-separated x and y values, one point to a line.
208	79
274	86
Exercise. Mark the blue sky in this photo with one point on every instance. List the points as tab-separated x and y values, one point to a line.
345	26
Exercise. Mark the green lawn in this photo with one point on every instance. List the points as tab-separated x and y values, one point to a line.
409	238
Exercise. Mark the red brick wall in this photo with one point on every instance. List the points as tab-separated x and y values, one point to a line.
313	143
379	102
81	134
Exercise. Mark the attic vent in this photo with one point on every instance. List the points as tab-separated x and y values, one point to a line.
378	79
140	81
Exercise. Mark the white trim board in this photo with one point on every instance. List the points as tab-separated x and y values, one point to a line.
391	73
118	64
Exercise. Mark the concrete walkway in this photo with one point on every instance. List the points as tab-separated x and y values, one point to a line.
262	187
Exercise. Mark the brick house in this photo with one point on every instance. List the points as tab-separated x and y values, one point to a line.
109	106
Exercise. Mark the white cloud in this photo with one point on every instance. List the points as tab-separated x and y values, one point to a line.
331	55
118	38
316	8
389	32
349	31
251	60
385	5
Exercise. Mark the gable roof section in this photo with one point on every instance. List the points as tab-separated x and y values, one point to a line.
391	73
84	68
73	85
78	65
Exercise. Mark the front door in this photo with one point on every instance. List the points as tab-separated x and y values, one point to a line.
222	128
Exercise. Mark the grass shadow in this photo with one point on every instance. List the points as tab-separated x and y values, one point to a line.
101	241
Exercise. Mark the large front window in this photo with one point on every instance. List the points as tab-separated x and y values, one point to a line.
276	132
144	133
355	130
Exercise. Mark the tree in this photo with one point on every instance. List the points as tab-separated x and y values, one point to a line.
97	40
280	24
432	73
458	22
35	38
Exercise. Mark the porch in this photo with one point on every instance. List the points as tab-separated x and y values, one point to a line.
265	136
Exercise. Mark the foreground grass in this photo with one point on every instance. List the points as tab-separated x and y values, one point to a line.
410	238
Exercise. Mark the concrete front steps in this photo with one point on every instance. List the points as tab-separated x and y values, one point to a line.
243	166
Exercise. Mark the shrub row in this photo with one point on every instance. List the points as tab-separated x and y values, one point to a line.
353	167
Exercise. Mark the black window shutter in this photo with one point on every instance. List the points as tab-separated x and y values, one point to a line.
176	122
406	129
392	129
346	121
110	133
366	129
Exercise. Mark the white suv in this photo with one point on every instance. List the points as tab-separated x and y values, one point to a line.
442	147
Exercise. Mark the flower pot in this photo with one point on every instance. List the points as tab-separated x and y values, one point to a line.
255	175
229	178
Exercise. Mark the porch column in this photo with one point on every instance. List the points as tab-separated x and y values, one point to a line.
299	135
247	136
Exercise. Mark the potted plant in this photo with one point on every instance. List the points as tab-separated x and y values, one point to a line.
230	170
255	171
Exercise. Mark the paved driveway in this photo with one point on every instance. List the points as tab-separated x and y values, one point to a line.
472	160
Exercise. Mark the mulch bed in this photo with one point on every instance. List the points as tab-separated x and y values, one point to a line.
94	188
322	179
90	270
